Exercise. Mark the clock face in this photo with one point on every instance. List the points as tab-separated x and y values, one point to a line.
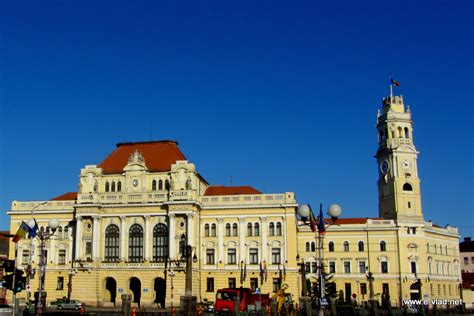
384	166
135	182
405	164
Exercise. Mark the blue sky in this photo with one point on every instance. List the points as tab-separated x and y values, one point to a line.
282	96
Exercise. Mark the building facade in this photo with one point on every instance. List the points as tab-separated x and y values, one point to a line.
137	210
466	248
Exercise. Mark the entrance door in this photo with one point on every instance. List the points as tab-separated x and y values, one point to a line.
348	288
136	289
111	290
160	291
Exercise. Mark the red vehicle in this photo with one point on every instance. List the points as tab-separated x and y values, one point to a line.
225	300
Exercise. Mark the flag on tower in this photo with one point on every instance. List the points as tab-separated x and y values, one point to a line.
395	83
312	220
21	232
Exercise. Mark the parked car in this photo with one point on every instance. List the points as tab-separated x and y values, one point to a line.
57	302
72	304
5	310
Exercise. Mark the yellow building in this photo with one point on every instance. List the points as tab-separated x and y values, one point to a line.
137	209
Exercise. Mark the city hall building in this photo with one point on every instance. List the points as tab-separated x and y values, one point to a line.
138	209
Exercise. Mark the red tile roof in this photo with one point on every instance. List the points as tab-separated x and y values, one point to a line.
159	156
223	190
66	196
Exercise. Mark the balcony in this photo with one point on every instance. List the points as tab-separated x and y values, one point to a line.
254	199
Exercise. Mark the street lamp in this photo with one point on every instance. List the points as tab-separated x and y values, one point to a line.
319	226
43	235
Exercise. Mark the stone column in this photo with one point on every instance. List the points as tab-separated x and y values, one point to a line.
96	238
264	231
70	239
123	238
190	224
243	254
148	238
172	235
79	237
52	250
220	234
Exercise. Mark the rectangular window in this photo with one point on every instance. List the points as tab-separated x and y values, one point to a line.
361	266
25	258
276	255
413	267
210	256
253	254
88	248
466	260
347	267
232	283
472	260
363	288
62	257
385	288
384	267
210	285
332	267
231	256
60	283
253	284
276	284
314	267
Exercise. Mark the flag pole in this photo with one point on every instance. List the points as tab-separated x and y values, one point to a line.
391	92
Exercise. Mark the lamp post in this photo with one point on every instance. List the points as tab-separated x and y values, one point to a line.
44	235
334	211
188	301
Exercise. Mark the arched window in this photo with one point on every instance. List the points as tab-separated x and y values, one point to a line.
400	134
235	230
153	185
271	229
113	186
256	229
407	133
313	246
331	246
206	230
107	187
307	246
249	229
278	229
160	243
361	245
346	246
407	187
167	184
135	243
119	186
160	185
188	184
213	230
383	246
112	242
227	229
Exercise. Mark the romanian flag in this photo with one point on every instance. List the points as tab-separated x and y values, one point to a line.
312	219
21	232
395	83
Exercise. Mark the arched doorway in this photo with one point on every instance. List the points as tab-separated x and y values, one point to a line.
160	291
136	289
110	290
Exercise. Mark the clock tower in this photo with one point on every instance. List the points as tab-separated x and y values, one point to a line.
398	184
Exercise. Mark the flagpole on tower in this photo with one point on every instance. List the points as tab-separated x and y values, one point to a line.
391	92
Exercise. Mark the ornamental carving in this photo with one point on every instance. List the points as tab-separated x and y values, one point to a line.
136	157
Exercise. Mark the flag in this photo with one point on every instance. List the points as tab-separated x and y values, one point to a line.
312	219
321	226
33	230
21	232
395	83
284	272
